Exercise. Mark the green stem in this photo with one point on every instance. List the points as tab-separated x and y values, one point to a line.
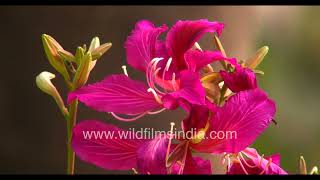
70	123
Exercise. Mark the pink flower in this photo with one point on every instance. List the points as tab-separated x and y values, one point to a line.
177	76
143	44
146	156
255	164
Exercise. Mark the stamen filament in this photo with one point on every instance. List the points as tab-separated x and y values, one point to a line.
155	95
267	166
166	69
156	112
246	163
173	82
134	171
169	144
243	168
127	119
124	68
197	45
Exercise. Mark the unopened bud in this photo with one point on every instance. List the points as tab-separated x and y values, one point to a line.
43	81
66	55
51	48
99	51
254	61
83	71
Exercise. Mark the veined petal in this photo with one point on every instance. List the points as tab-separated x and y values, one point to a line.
141	44
100	144
244	117
152	156
182	36
240	80
197	59
190	90
118	94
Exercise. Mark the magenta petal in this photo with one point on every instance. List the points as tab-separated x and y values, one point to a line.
197	59
141	44
198	116
113	152
246	114
182	36
191	90
197	165
240	80
152	156
118	94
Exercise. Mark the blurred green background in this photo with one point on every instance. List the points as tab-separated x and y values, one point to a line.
32	131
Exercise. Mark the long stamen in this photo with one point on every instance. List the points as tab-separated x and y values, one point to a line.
134	171
156	112
183	163
150	69
127	119
155	95
245	162
152	81
196	44
267	166
169	143
173	82
166	69
243	168
124	68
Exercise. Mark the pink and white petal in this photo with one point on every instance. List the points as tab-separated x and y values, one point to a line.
142	43
102	145
246	115
190	90
152	156
182	36
118	94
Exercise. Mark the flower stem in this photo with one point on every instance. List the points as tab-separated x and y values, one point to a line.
70	123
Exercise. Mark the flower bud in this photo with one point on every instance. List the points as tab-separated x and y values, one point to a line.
43	81
51	48
302	166
66	55
83	71
99	51
253	62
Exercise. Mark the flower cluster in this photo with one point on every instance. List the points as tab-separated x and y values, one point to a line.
179	75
